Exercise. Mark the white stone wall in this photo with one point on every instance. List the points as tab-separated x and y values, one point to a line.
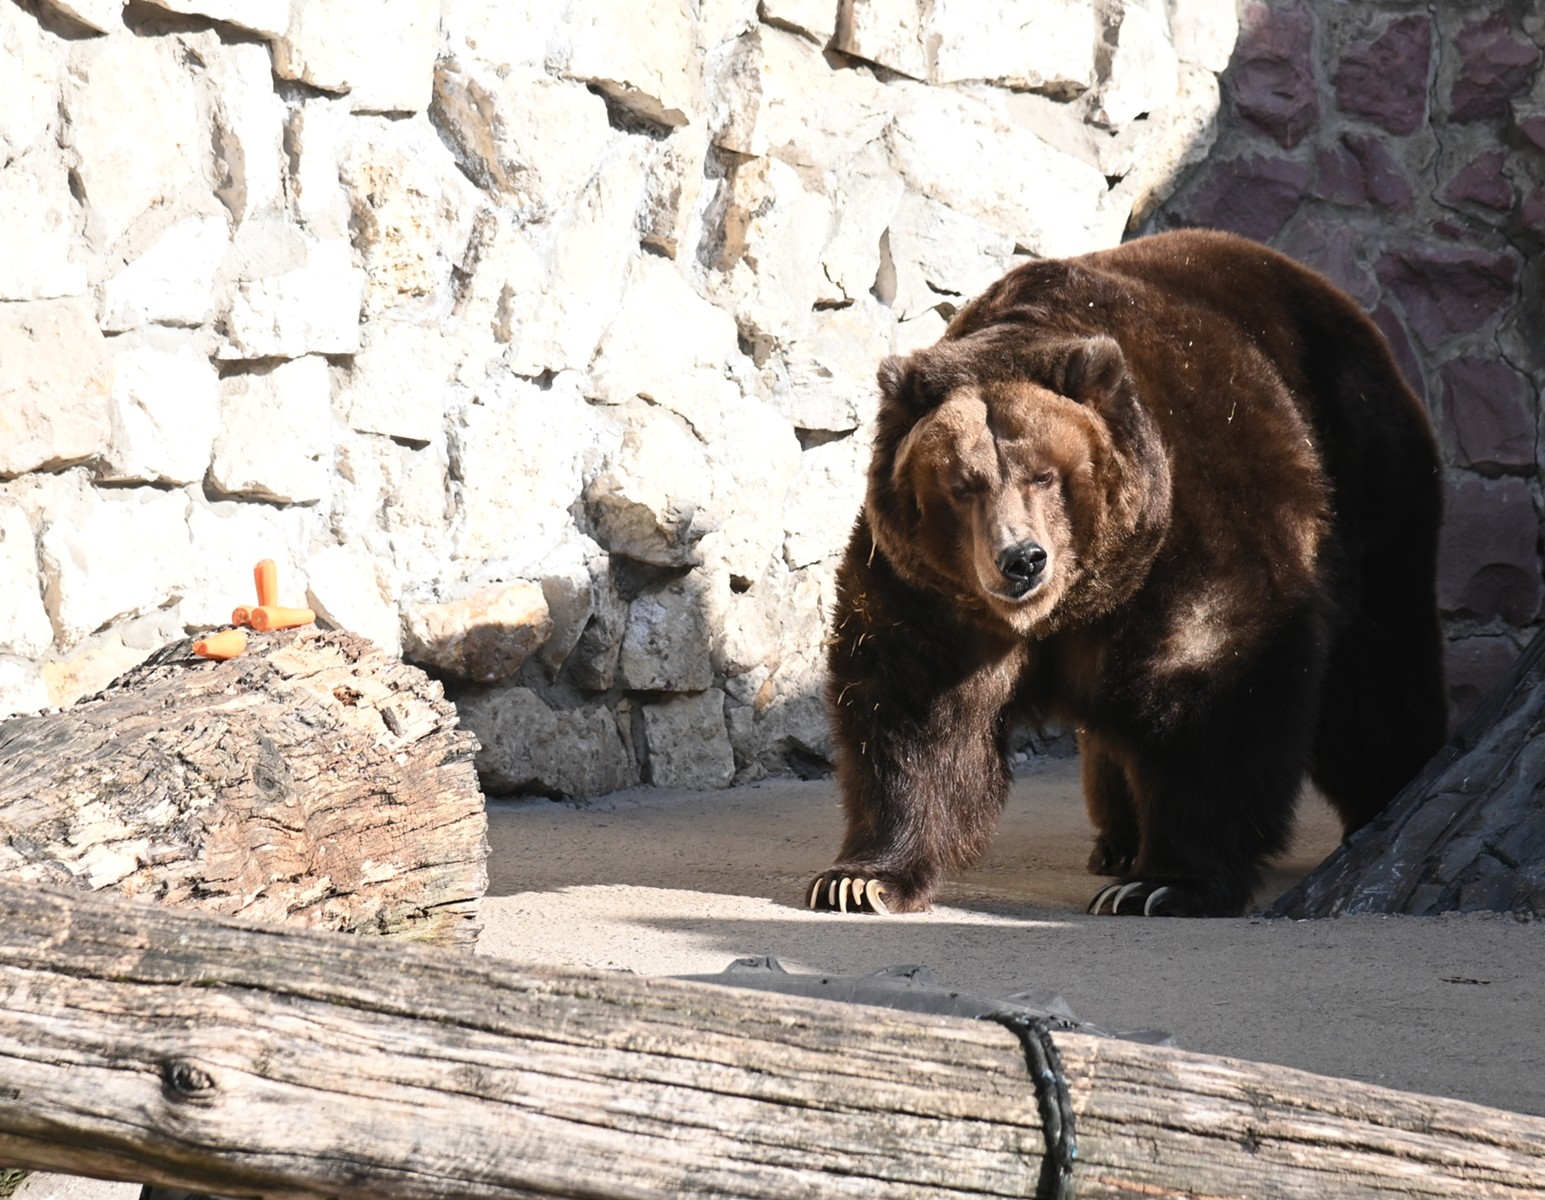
536	337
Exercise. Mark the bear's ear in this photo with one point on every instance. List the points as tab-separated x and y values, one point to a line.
892	371
1093	368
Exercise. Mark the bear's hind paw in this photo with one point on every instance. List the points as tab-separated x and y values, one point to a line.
835	890
1143	898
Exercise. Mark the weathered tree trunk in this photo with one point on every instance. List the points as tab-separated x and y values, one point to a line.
151	1044
312	780
1467	834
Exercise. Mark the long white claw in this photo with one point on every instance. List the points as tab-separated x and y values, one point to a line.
1122	894
874	891
1154	898
831	893
815	891
842	894
1099	898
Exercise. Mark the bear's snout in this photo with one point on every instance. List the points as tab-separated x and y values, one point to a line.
1021	567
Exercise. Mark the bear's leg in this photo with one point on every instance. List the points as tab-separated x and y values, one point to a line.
1384	711
923	780
1112	811
1215	785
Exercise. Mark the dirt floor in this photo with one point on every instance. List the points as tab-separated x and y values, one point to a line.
675	883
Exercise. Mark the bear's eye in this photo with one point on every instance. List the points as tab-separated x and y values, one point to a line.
962	491
1043	478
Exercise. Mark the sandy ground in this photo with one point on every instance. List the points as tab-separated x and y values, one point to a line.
674	883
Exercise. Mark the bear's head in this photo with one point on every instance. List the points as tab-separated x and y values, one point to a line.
1018	474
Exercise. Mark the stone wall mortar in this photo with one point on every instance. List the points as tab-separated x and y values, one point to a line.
1400	149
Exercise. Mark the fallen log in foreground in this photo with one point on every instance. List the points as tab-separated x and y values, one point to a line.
144	1043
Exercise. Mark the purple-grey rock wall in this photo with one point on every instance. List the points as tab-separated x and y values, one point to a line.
1400	150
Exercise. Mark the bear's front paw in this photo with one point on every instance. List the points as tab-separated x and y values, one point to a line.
1111	856
848	891
1146	898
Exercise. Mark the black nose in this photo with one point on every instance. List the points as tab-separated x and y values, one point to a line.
1021	566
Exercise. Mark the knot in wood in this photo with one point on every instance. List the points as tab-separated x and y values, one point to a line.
187	1081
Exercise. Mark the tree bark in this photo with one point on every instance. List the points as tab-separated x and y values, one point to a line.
145	1043
1466	835
312	780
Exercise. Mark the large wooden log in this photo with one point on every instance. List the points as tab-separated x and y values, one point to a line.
1467	834
313	780
150	1044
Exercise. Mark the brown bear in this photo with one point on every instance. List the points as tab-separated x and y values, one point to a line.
1177	496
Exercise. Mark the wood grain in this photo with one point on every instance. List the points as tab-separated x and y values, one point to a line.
312	780
145	1043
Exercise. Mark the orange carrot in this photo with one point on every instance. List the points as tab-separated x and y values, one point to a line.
241	614
228	644
266	576
271	616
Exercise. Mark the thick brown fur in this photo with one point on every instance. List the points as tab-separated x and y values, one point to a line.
1177	496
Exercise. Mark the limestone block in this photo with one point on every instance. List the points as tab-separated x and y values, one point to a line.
824	499
164	410
526	747
665	647
831	372
887	32
501	35
54	386
314	137
1144	74
116	88
652	499
267	18
25	630
689	744
563	296
1204	32
1489	565
670	346
571	602
941	255
484	636
772	93
22	689
816	19
754	463
344	589
31	62
412	213
380	52
773	231
248	117
648	67
275	437
103	16
1047	201
397	384
531	140
866	193
112	555
592	664
518	453
1385	79
1151	156
1048	46
392	499
310	309
172	282
35	196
